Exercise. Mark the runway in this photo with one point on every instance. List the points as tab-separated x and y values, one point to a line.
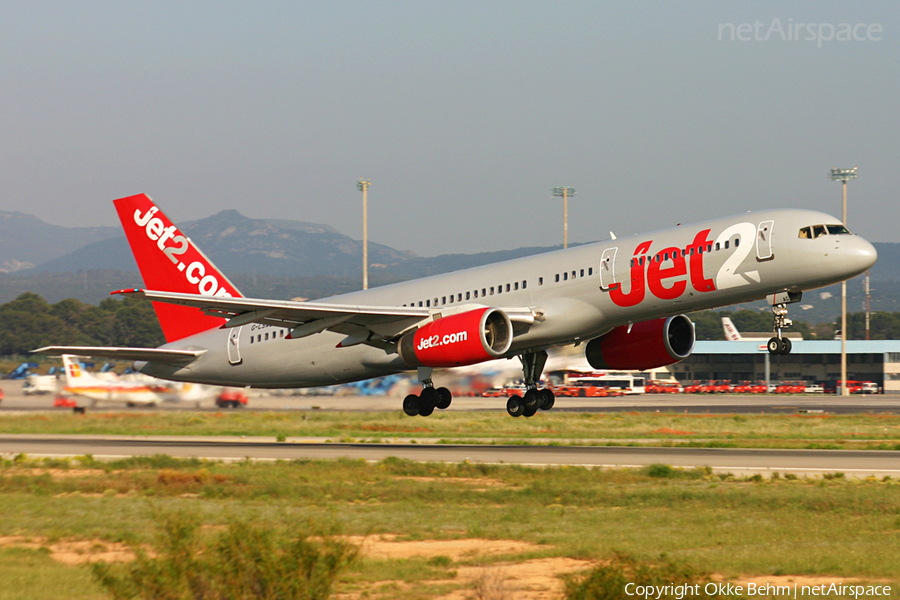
853	463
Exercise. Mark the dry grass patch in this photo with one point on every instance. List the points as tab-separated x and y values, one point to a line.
73	552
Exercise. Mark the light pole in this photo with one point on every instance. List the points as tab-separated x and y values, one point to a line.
363	186
564	193
844	175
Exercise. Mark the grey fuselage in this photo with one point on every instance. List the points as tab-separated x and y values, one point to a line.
580	293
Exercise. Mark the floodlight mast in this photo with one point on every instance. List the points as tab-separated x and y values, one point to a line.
844	175
564	193
363	186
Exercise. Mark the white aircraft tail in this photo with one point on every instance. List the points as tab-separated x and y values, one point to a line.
75	375
731	332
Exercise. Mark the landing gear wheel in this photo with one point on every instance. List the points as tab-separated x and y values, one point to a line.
549	400
514	406
775	346
530	412
411	405
533	399
786	349
444	398
428	400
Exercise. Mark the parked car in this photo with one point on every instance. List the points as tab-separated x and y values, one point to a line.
814	388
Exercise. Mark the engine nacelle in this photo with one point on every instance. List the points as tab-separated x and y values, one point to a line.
649	344
456	340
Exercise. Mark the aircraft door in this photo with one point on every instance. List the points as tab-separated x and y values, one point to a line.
764	240
234	348
608	268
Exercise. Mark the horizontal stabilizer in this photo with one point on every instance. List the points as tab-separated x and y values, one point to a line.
158	355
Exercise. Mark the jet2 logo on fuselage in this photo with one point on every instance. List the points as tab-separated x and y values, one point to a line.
670	281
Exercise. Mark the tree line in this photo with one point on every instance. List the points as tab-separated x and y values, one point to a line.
30	322
882	325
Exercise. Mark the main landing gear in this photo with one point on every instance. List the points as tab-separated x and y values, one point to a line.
533	399
429	399
780	344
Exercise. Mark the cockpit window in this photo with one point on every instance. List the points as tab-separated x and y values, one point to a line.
805	233
837	230
818	230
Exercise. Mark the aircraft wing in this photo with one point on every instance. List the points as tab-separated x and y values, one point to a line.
161	355
361	324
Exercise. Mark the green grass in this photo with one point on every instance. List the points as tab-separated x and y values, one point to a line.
837	526
666	429
29	574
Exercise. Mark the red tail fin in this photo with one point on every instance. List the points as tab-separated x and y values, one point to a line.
170	262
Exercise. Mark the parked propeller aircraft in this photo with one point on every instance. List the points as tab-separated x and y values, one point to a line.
623	299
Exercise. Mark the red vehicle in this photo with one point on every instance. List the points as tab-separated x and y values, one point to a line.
742	387
694	388
759	387
663	387
716	387
231	398
63	402
855	387
788	387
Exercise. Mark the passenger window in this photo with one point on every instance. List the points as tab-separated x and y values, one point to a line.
566	276
709	247
717	246
507	287
483	292
451	299
590	271
540	281
459	299
492	290
557	277
467	295
435	302
420	303
267	336
805	233
666	256
443	299
818	231
428	303
524	283
573	274
726	244
582	273
737	242
251	339
476	293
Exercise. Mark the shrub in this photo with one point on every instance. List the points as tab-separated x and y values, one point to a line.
245	561
607	581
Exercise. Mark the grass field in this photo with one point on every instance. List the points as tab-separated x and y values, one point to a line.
748	431
490	518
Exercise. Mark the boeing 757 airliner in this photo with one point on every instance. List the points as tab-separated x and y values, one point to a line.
622	299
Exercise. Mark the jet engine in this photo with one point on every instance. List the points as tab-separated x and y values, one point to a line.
642	346
461	339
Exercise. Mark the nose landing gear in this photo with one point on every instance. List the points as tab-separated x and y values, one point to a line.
779	301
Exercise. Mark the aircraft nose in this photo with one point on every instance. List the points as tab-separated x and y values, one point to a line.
860	254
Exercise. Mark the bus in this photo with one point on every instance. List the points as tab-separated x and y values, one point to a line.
627	382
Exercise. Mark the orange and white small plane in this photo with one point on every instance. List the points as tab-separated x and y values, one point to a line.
623	299
149	392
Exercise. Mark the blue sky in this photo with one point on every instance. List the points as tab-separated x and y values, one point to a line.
463	114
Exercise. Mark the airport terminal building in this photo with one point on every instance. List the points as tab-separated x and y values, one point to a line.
809	360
